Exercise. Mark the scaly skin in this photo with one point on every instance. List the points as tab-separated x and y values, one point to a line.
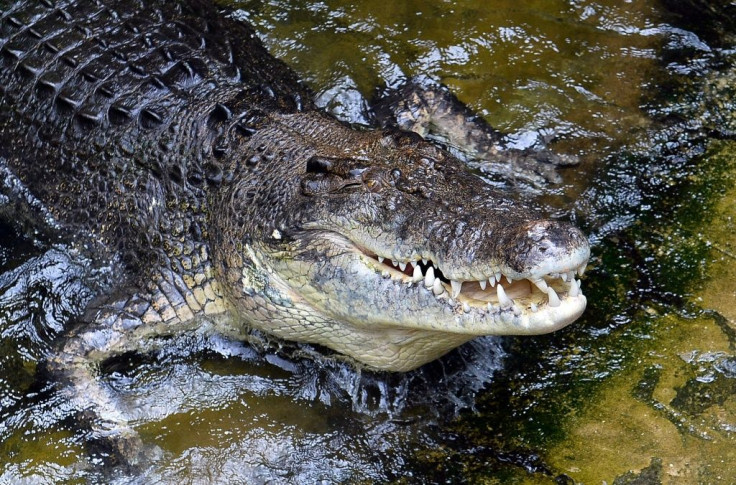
163	135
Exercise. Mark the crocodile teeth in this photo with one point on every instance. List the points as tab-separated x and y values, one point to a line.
502	298
402	266
466	307
509	279
498	276
574	288
424	260
541	284
554	300
482	284
492	280
563	276
437	287
417	276
394	262
533	307
581	270
456	287
429	277
380	259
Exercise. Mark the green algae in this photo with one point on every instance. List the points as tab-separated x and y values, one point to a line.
719	291
51	457
643	412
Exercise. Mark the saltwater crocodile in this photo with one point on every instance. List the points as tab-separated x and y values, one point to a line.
162	137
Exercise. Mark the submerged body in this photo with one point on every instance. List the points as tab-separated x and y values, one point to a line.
163	136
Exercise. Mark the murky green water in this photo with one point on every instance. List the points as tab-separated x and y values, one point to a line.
642	388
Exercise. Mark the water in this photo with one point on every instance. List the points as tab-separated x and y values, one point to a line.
642	386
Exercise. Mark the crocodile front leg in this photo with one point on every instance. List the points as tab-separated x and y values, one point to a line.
432	111
129	324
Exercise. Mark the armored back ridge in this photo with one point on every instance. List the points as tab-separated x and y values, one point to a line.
162	134
117	108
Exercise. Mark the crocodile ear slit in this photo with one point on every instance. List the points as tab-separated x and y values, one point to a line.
318	164
221	113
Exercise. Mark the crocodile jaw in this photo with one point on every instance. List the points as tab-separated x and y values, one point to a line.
391	319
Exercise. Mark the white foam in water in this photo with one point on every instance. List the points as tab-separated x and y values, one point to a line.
309	422
266	415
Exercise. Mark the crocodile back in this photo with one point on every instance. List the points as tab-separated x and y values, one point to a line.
119	115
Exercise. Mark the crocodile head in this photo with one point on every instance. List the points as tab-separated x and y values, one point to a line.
390	252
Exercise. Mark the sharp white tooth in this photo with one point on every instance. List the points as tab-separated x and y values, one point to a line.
508	278
533	307
466	307
402	266
502	298
380	259
574	288
492	280
581	270
417	276
541	284
498	276
563	276
456	287
489	307
429	277
516	310
386	274
437	287
554	300
483	284
424	260
394	262
570	275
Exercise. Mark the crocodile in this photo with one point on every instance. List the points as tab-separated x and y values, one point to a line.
161	137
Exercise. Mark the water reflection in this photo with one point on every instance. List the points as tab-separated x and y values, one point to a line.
263	418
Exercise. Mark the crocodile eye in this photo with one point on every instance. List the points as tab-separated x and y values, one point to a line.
350	187
321	184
